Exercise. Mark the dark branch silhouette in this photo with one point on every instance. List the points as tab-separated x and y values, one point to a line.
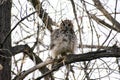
113	51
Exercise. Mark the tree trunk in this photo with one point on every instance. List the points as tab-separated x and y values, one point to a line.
5	24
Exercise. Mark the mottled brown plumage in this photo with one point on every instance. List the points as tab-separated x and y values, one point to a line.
63	40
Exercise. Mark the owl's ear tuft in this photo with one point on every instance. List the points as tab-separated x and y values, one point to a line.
62	21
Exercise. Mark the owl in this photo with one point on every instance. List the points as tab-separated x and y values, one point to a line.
63	40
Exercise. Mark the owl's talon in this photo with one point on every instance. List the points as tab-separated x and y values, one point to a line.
63	60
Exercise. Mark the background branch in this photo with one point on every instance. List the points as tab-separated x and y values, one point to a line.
107	15
28	51
99	21
43	14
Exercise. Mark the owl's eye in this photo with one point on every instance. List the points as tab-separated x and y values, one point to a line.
69	24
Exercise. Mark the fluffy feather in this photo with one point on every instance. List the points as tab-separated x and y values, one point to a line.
63	40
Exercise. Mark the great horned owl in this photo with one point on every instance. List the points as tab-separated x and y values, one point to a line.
63	40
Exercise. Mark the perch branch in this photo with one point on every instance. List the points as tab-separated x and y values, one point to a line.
110	52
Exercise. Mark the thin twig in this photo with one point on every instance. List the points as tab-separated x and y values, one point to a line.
15	27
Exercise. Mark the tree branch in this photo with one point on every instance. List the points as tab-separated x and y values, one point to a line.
107	15
27	50
110	52
25	73
21	48
9	33
43	14
18	49
99	21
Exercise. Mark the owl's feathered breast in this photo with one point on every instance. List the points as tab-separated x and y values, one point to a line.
62	42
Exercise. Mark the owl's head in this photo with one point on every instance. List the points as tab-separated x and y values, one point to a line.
66	25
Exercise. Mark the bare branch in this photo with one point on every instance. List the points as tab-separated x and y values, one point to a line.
107	15
25	73
43	14
110	52
98	20
27	50
9	33
18	49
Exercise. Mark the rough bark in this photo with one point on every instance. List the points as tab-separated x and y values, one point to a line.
5	23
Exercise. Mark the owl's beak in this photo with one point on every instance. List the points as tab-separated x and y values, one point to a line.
66	27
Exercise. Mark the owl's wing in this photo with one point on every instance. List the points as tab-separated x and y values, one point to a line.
54	36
